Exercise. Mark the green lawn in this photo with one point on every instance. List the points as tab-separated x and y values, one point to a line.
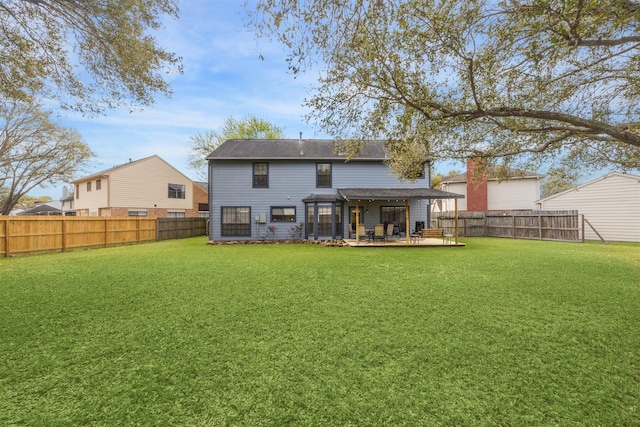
500	332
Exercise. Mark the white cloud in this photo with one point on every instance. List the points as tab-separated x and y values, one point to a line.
223	77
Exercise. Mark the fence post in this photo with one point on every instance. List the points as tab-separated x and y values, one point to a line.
106	231
64	234
6	238
485	232
539	226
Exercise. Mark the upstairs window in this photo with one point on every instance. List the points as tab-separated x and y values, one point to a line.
88	186
261	175
176	191
323	175
77	191
98	184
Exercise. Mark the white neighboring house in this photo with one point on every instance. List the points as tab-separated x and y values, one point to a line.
492	192
66	203
611	203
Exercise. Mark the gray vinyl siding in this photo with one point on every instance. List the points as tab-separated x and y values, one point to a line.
230	184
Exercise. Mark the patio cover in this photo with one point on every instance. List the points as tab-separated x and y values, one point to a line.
405	194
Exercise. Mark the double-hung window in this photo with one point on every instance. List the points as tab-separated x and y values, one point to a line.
176	191
323	175
261	175
236	221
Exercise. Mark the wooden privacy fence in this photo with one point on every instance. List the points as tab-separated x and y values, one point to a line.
26	235
538	225
180	228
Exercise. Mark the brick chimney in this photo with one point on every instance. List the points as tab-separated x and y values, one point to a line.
476	187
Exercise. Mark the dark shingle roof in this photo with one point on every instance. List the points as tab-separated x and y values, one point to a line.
40	209
322	198
203	185
315	149
395	194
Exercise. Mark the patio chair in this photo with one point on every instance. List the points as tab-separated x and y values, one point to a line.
390	228
362	231
378	232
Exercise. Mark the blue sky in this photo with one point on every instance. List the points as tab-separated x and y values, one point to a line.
223	77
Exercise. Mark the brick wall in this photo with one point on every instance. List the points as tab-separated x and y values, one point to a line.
200	195
476	187
157	212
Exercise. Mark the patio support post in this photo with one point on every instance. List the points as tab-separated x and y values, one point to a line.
315	220
406	221
357	222
456	204
333	221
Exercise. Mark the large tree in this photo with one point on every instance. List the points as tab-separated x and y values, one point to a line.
558	179
513	80
90	55
34	151
249	127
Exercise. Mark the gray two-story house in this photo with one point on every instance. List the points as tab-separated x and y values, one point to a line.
271	188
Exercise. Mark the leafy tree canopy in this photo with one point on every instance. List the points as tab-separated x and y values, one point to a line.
558	179
514	81
250	127
436	181
90	55
34	151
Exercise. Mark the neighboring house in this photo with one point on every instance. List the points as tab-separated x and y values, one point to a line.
611	204
66	203
201	198
256	186
145	187
47	208
517	190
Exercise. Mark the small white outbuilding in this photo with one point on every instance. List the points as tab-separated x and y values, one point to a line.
610	203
